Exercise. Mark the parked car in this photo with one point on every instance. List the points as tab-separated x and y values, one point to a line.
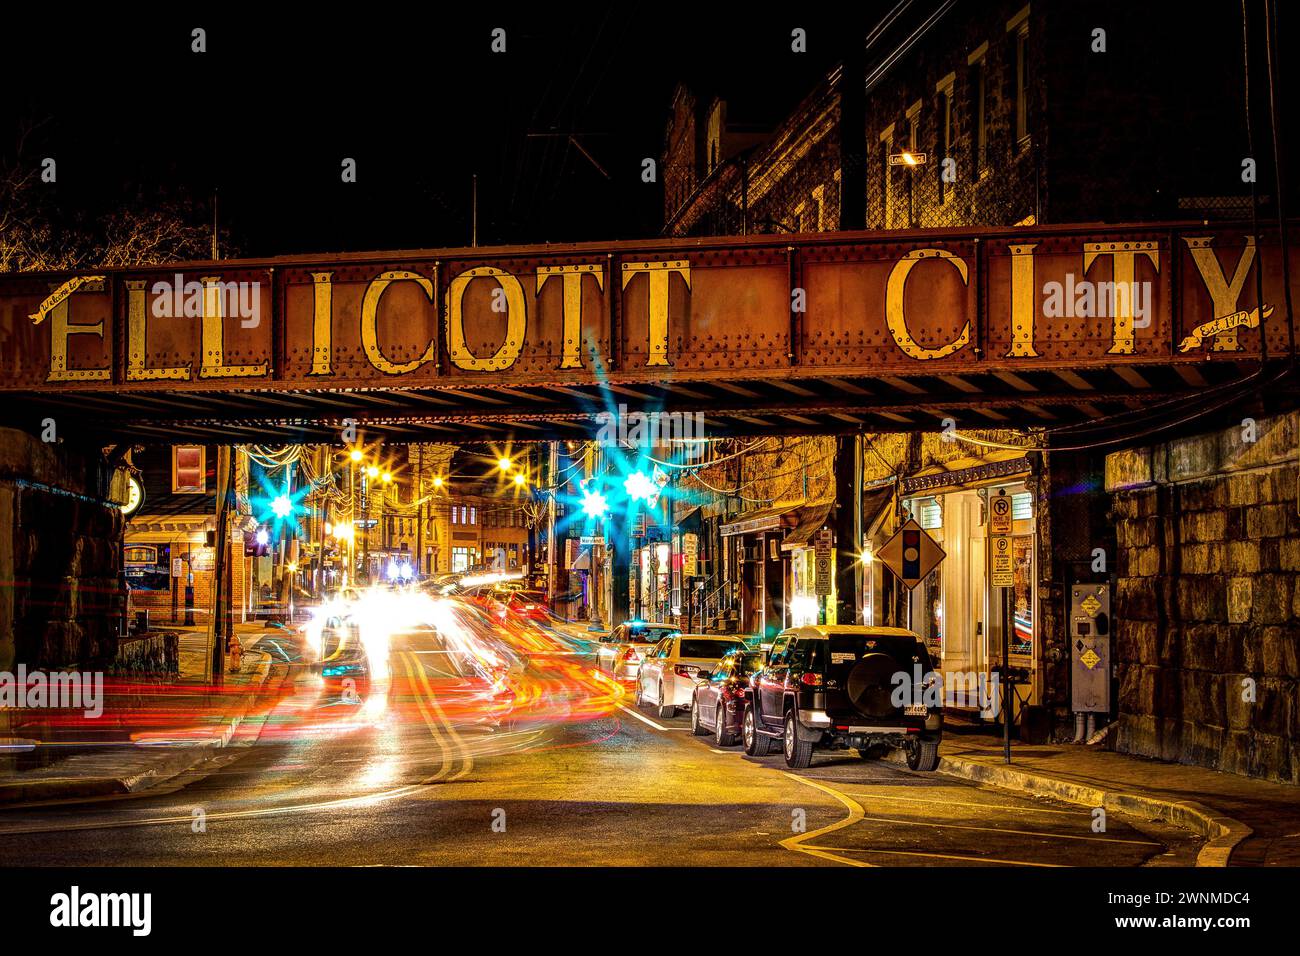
621	651
667	675
833	686
719	700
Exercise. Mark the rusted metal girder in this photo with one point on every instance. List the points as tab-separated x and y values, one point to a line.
895	304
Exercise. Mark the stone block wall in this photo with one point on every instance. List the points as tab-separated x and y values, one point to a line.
1207	604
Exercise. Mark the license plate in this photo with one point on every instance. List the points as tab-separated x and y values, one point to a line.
915	710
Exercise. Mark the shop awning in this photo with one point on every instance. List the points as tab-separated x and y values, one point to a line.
874	503
809	519
768	519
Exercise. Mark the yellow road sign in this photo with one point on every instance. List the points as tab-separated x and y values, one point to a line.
911	554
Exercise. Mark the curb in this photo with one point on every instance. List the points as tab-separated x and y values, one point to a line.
1222	833
176	762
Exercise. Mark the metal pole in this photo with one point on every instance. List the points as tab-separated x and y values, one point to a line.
419	511
1006	684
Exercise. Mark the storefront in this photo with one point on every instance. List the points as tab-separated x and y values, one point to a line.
956	609
804	604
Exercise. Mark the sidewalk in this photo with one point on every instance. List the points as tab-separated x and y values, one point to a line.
147	733
1246	822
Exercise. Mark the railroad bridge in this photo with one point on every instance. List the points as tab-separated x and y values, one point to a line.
819	333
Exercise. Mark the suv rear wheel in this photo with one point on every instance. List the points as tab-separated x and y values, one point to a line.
798	753
756	745
923	755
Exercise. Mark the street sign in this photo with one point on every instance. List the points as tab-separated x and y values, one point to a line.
178	567
1003	566
822	562
907	159
911	554
1000	514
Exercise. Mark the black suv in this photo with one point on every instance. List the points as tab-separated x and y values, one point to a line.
841	686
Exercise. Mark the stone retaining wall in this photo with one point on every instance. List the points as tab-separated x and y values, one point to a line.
1207	602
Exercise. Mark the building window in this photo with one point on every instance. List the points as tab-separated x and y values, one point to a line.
1022	506
1020	46
1022	99
462	558
979	106
886	178
944	89
929	513
189	469
914	127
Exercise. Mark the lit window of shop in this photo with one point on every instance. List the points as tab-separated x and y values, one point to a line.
928	610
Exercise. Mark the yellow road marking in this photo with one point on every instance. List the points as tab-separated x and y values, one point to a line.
430	723
856	813
467	762
936	856
1037	833
957	803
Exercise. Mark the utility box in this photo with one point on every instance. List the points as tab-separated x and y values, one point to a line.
1089	628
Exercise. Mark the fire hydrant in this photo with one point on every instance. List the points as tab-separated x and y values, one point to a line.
236	655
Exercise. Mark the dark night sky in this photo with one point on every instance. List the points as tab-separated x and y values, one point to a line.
268	113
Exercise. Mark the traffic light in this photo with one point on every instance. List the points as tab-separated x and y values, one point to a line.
594	504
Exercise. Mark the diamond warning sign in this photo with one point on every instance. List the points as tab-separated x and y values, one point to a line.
911	554
1090	606
1089	658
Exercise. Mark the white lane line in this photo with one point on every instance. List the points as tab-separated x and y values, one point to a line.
646	720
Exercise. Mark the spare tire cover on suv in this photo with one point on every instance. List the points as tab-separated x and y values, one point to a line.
870	685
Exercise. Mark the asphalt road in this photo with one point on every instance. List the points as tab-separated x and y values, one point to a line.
427	773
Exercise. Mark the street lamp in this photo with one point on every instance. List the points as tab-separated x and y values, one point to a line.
355	454
504	464
520	479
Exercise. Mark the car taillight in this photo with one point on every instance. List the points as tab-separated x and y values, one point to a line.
630	655
811	679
